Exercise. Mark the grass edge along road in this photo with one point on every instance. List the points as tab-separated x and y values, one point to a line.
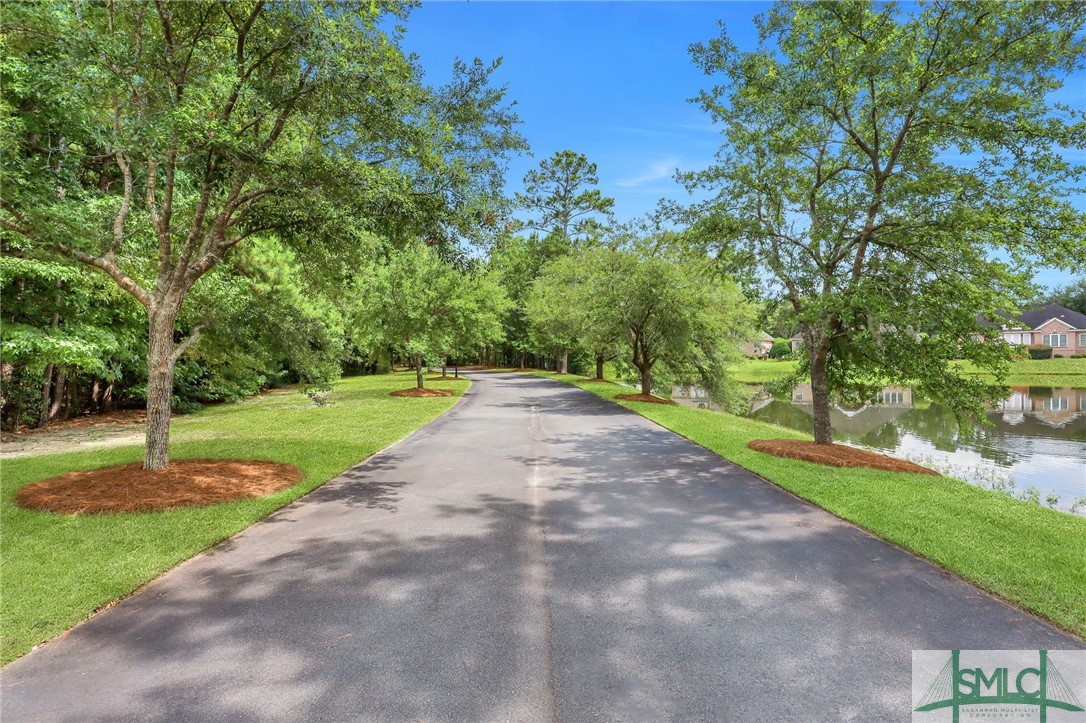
1029	555
58	569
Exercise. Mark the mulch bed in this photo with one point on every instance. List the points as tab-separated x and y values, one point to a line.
416	392
836	455
645	398
130	488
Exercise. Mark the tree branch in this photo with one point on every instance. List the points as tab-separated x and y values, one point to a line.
192	339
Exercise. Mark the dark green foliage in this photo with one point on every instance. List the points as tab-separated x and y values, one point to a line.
780	349
1040	351
1073	296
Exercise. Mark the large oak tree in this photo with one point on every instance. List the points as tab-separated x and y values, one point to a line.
898	172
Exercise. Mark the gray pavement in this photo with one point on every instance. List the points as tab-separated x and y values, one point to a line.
537	553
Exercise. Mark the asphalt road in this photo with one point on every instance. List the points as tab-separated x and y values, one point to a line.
537	553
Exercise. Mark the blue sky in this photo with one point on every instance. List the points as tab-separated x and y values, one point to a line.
607	79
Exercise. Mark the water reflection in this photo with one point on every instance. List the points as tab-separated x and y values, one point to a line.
1036	437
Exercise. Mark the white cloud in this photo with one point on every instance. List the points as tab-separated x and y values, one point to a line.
657	170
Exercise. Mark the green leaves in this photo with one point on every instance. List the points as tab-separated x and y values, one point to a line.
678	318
899	173
560	197
415	303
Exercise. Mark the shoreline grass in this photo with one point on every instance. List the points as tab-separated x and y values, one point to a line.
1023	373
59	569
1029	555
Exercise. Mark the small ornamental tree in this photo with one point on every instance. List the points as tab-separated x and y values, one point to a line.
682	321
475	314
562	299
407	303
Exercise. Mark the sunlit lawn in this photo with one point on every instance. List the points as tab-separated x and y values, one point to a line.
57	570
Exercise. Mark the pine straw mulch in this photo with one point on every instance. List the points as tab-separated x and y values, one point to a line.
836	455
416	392
645	398
184	483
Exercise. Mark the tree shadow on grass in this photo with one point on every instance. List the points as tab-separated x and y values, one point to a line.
613	572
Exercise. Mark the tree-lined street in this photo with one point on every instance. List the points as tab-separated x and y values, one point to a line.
537	553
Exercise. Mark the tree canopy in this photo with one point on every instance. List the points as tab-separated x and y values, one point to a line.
563	200
148	140
898	173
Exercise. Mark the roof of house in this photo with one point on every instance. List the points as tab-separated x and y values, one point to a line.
762	336
1034	316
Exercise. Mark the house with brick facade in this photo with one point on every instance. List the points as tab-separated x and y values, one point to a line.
1049	324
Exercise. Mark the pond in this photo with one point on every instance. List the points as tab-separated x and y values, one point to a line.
1034	447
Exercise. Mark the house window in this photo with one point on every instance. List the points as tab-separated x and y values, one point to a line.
1082	339
1054	340
891	397
1055	404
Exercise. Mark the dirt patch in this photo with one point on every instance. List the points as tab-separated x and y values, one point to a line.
836	455
112	420
594	380
644	398
130	488
416	392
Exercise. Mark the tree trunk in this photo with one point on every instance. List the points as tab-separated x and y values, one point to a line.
522	360
456	368
107	398
599	366
646	380
47	387
444	366
46	390
418	370
563	363
820	395
58	394
71	395
160	366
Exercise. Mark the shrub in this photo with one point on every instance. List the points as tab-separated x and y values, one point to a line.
1019	352
780	349
1078	356
1040	351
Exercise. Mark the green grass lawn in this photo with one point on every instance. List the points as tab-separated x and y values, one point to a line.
754	371
1029	372
57	570
1029	555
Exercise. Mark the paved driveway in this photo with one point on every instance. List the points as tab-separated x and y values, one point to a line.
537	553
